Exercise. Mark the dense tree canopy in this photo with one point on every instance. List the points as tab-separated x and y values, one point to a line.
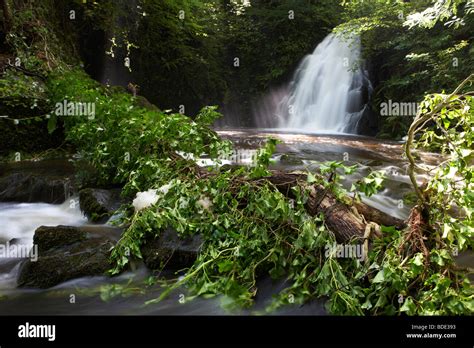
184	53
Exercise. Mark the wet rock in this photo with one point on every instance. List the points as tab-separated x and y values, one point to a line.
169	251
48	181
98	204
66	252
291	160
49	238
358	97
15	241
465	259
368	123
7	265
374	163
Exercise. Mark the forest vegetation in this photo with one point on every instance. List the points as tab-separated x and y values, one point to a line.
154	117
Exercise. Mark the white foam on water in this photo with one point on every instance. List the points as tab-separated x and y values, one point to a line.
20	220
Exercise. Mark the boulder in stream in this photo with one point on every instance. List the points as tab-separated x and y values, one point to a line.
99	204
67	252
171	252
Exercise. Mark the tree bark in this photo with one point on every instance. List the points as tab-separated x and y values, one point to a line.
7	16
339	217
378	216
346	222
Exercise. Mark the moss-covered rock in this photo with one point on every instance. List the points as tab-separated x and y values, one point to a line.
23	95
48	238
291	159
66	252
24	101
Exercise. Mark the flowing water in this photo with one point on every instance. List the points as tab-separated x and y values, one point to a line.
18	221
92	294
307	151
327	95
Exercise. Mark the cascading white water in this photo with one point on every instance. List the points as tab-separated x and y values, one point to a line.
327	95
18	221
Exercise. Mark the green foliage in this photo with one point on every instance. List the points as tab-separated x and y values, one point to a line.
250	229
445	202
38	38
441	10
185	68
123	137
449	192
370	184
24	100
21	91
264	159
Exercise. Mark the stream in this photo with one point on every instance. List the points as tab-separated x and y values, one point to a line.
126	294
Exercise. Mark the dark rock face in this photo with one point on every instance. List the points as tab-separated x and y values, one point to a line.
358	98
358	108
98	204
368	123
66	252
44	181
144	103
171	252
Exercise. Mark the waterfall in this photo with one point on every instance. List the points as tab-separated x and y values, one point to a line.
328	93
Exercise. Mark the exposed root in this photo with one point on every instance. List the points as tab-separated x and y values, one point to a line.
413	241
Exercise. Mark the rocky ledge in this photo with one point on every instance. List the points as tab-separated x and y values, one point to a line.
48	181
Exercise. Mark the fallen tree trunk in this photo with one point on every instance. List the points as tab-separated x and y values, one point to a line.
341	219
378	216
345	221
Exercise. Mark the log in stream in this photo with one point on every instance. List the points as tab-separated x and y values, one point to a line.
346	222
